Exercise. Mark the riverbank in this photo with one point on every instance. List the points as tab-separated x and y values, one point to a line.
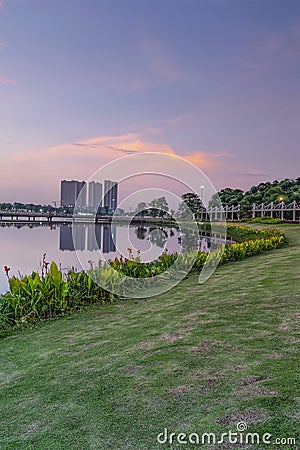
51	293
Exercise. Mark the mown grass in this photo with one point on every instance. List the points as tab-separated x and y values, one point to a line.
199	358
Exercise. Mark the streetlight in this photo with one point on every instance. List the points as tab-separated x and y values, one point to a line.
201	192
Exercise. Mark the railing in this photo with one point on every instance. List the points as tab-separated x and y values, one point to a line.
220	213
24	216
279	210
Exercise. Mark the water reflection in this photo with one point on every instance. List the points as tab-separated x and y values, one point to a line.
88	237
22	246
66	238
189	240
109	238
158	236
141	232
93	238
104	237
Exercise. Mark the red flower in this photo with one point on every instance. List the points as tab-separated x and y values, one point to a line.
246	239
6	269
138	252
129	249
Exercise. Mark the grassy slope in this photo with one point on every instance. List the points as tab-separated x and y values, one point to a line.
198	358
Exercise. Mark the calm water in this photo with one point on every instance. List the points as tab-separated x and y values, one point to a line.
22	247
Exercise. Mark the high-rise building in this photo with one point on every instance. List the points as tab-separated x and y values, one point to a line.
95	195
114	196
75	192
110	195
69	192
81	193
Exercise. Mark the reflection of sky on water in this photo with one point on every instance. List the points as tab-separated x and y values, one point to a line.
22	248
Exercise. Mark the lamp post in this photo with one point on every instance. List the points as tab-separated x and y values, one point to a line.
201	193
201	198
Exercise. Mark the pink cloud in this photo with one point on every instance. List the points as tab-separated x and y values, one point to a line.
152	130
6	80
178	120
80	160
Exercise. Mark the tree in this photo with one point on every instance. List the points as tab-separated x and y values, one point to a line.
162	206
191	203
184	212
226	197
153	207
262	193
159	207
141	209
6	206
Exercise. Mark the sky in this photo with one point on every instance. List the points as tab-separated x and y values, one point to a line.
83	82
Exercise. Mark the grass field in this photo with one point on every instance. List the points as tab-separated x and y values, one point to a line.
199	358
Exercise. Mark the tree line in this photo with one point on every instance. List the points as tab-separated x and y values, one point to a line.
287	191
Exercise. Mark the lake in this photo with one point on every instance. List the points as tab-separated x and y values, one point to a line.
22	246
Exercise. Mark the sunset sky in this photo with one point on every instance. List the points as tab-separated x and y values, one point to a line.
83	82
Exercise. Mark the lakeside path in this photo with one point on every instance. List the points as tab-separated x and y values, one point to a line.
199	358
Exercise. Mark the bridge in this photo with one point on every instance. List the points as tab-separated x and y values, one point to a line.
25	217
29	217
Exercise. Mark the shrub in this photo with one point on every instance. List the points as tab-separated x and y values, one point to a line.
266	219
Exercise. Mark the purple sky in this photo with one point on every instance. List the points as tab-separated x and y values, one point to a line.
84	81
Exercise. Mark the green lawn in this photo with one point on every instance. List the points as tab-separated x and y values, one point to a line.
199	358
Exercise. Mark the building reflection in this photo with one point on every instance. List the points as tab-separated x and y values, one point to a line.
109	238
79	238
88	237
66	238
93	237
